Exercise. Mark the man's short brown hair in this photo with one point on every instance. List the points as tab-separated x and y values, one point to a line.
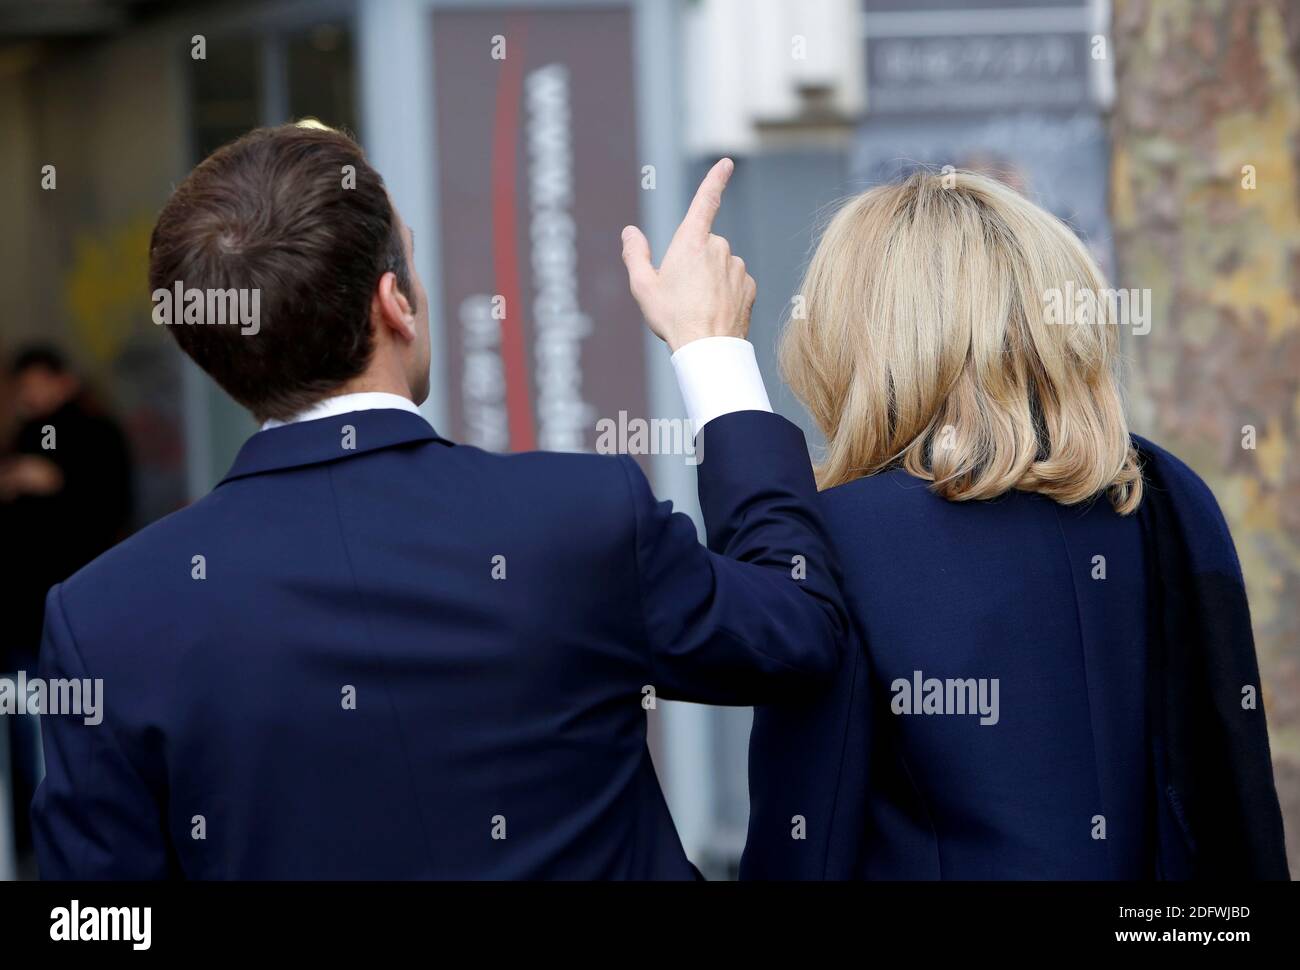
298	215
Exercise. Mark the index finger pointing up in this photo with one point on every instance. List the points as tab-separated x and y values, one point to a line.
708	197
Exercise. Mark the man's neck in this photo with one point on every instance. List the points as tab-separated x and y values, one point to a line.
369	383
344	403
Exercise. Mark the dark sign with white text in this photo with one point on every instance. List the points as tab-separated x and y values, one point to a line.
538	174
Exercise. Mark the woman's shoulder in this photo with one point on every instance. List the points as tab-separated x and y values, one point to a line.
1165	470
895	487
1176	496
896	491
886	492
893	483
892	507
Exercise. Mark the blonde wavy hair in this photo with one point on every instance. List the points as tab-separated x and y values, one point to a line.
923	340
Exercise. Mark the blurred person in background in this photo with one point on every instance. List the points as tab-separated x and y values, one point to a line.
65	497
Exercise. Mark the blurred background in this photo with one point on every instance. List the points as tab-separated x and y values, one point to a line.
518	138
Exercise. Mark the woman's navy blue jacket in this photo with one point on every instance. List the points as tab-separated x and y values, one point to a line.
1037	692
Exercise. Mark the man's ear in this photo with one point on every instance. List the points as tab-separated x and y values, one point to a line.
390	308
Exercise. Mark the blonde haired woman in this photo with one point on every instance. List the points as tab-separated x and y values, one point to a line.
1053	640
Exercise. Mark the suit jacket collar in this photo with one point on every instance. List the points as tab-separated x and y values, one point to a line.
329	439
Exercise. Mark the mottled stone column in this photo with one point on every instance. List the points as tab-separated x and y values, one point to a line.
1206	209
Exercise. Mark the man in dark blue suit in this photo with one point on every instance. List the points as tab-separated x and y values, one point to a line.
373	653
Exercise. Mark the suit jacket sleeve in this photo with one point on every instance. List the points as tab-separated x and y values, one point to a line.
94	817
756	616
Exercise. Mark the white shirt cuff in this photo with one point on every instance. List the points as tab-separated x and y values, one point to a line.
718	375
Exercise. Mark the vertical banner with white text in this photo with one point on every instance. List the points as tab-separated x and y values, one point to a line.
538	174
